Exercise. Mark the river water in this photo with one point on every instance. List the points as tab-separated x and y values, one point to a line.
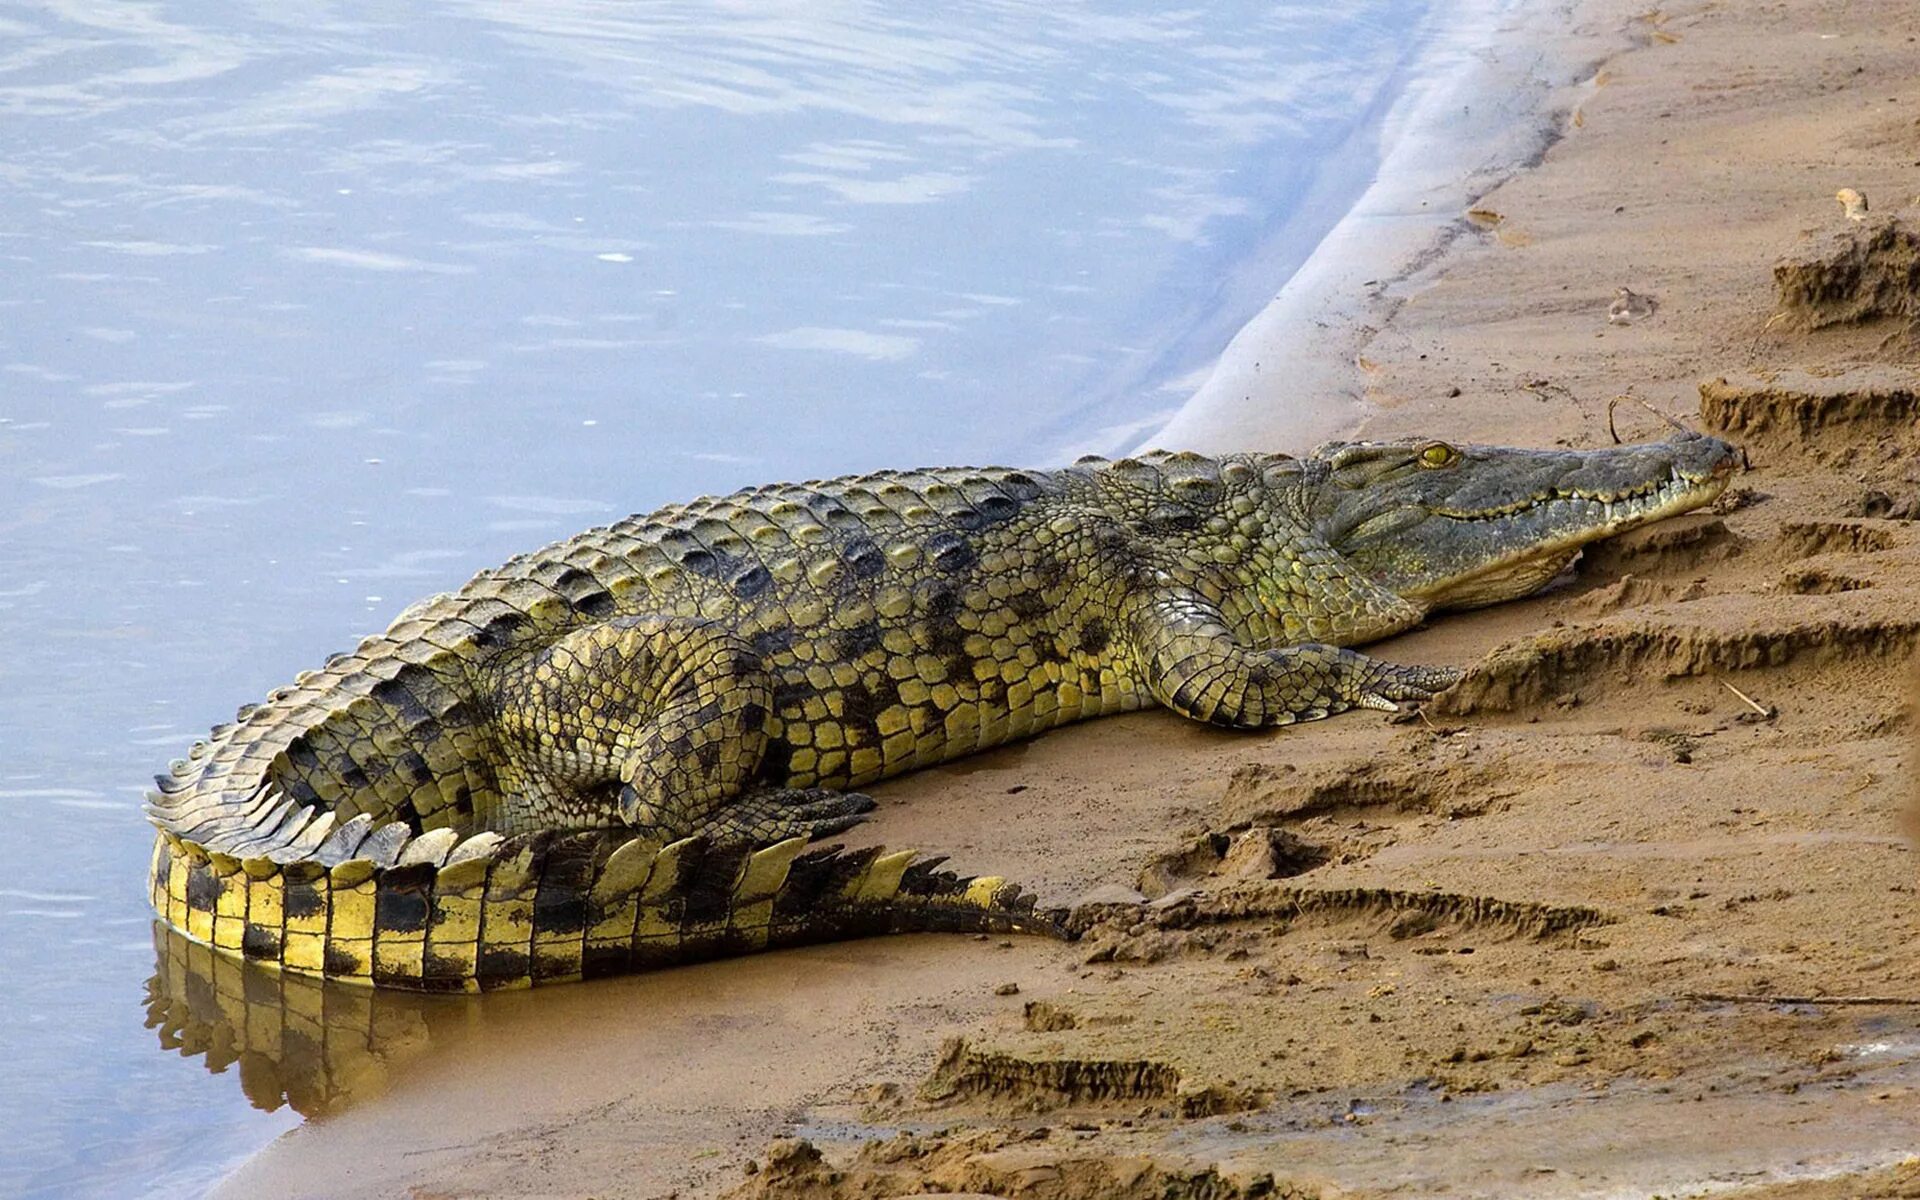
309	309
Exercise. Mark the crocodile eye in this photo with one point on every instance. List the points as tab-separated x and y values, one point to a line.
1439	454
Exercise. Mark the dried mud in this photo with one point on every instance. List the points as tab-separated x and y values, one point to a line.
1633	910
1868	416
1865	273
992	1081
985	1165
1596	659
1678	778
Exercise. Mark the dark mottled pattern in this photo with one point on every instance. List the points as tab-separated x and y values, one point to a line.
698	687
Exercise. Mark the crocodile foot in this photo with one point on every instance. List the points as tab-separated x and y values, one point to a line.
1384	685
777	814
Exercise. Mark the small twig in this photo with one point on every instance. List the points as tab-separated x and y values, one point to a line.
1667	417
1752	998
1751	702
1773	320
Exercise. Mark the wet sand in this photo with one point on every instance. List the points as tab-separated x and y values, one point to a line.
1566	934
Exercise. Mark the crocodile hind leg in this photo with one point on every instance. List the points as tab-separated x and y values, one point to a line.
655	723
1196	667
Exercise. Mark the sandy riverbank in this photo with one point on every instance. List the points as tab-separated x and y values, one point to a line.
1535	887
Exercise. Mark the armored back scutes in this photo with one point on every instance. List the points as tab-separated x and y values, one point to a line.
552	907
612	753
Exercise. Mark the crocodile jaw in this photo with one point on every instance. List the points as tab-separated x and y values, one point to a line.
1547	538
1500	524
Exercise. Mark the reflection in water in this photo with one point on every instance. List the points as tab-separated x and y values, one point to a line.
297	1042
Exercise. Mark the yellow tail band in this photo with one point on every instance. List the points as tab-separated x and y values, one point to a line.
490	913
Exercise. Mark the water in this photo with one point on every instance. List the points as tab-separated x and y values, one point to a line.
307	310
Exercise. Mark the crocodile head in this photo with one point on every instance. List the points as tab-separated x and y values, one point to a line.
1450	526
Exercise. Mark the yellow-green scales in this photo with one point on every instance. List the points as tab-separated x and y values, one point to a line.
611	753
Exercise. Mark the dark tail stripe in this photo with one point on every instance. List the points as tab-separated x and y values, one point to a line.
550	907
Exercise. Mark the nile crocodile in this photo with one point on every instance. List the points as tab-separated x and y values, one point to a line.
611	753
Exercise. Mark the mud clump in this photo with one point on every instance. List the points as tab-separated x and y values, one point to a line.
1818	581
1259	852
1888	504
1804	539
1859	417
1528	674
1858	275
1679	543
1628	591
1042	1084
1043	1017
995	1163
1194	922
1262	794
1898	1182
964	1073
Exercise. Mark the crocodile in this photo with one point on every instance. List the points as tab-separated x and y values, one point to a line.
614	753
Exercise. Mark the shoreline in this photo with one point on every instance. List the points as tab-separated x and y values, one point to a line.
1372	1050
1371	169
1445	144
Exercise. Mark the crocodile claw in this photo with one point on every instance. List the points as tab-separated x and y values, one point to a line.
1385	685
781	813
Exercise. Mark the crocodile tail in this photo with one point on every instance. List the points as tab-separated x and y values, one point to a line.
387	731
436	913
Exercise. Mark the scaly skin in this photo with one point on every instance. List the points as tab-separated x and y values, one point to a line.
610	753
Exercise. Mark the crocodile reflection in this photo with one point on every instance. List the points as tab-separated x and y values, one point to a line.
297	1042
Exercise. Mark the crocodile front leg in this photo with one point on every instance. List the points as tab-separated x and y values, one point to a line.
656	723
1195	666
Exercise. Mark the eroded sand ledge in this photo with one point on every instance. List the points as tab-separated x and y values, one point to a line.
1527	894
